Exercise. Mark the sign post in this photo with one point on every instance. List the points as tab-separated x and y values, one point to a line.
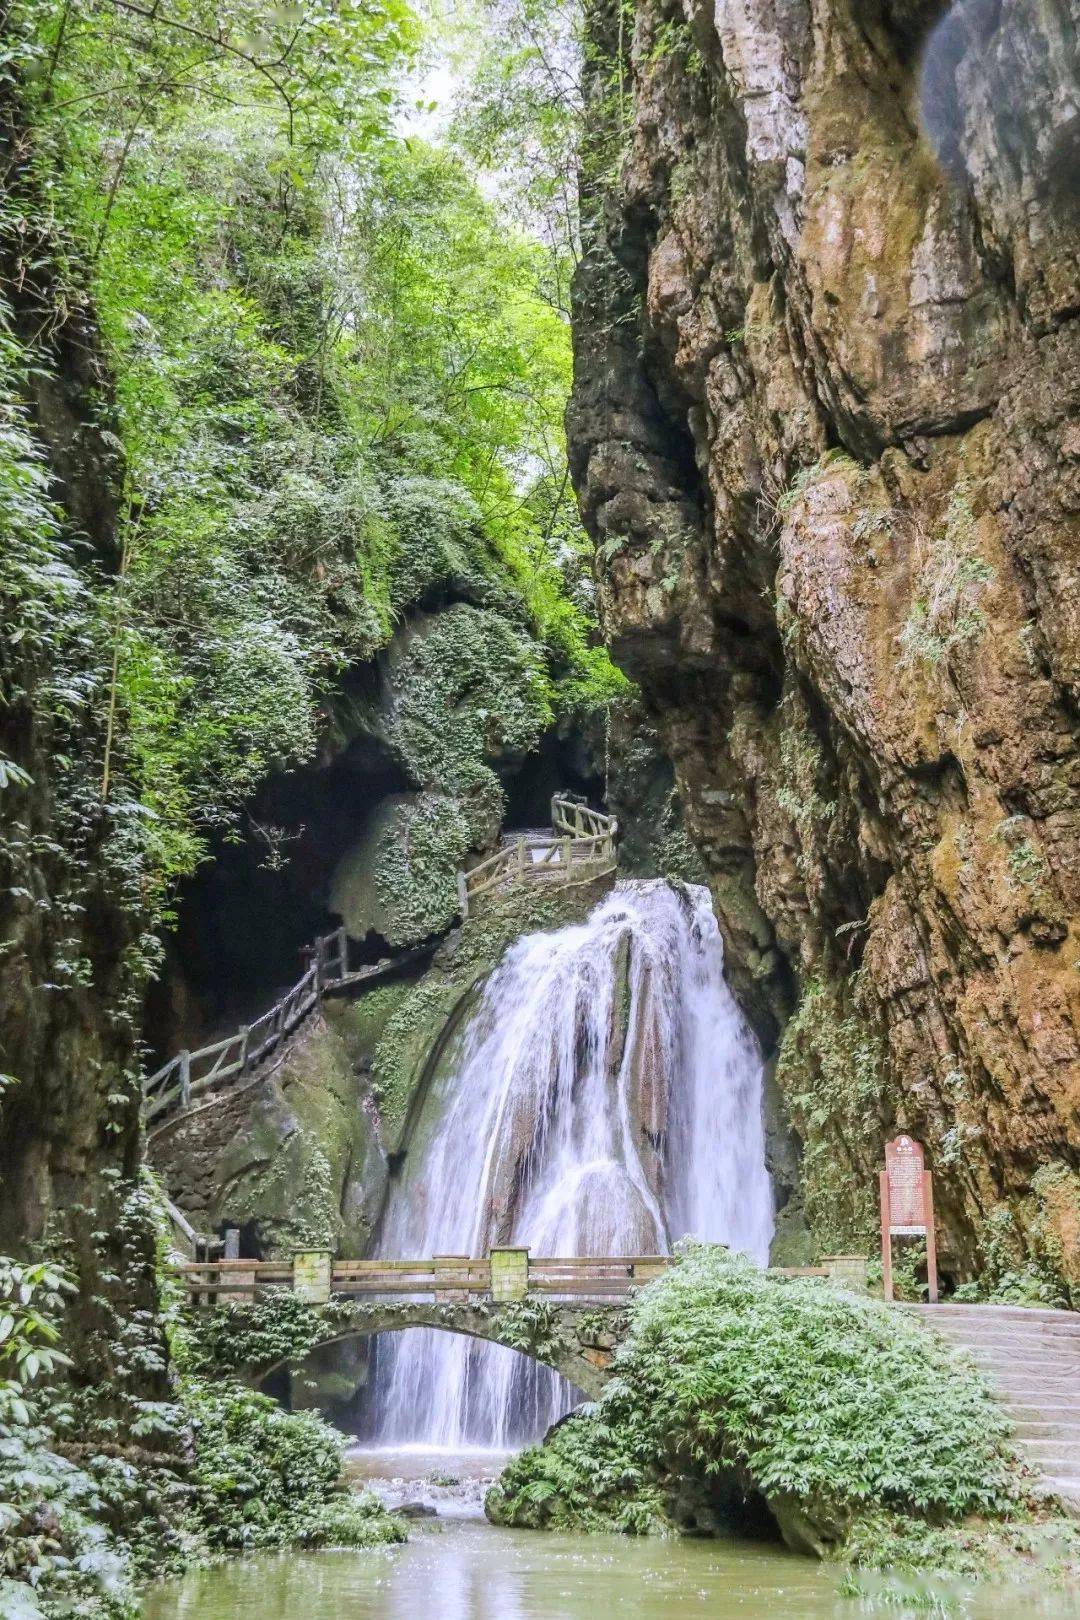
907	1207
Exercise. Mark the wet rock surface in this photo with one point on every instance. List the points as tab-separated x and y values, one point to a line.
826	433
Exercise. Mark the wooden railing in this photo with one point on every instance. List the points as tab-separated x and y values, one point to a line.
580	849
189	1074
504	1274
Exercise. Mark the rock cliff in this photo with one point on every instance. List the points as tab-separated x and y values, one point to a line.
826	436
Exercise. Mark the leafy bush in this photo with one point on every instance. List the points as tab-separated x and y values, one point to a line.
827	1405
279	1328
268	1478
89	1504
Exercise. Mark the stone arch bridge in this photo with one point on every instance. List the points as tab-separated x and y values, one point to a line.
576	1339
568	1313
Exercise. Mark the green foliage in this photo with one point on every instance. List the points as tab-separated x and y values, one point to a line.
30	1298
532	1325
830	1068
952	578
279	1329
405	1041
1024	1264
108	1487
269	1478
57	1555
414	860
838	1404
339	391
804	791
467	687
519	119
908	1270
300	1181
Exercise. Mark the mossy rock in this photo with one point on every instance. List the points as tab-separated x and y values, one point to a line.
467	687
400	879
463	690
303	1167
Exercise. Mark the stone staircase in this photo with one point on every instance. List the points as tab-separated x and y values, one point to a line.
1031	1360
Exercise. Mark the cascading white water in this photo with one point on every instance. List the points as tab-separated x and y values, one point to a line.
606	1100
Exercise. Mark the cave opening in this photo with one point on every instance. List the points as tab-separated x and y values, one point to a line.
557	765
246	917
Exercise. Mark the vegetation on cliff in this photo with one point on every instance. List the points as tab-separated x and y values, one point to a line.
94	1497
338	389
851	1422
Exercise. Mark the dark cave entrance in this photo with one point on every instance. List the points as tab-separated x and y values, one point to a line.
246	917
559	764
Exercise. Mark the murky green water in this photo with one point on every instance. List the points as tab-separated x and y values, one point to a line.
458	1567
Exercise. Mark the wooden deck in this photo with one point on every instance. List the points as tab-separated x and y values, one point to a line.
579	849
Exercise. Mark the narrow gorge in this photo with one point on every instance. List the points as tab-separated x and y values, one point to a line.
539	646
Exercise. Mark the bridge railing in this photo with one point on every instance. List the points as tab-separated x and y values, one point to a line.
180	1081
581	848
505	1274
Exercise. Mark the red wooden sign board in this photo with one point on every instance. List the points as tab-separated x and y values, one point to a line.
907	1207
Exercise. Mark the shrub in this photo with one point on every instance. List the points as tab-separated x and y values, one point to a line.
88	1504
268	1478
827	1405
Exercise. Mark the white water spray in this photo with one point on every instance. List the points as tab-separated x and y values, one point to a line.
606	1100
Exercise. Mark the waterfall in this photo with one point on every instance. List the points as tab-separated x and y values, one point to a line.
604	1099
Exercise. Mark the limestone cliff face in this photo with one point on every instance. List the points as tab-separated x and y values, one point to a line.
826	434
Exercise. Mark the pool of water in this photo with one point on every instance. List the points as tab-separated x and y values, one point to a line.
458	1567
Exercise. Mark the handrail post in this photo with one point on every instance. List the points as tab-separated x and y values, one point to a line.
312	1270
509	1274
521	861
566	856
185	1078
451	1277
343	952
463	895
317	964
245	1036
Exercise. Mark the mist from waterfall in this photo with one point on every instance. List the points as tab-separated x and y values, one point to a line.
605	1099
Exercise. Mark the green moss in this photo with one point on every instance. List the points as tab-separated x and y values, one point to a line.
952	578
831	1069
415	856
301	1180
362	1022
468	690
1029	1249
441	545
469	686
402	1052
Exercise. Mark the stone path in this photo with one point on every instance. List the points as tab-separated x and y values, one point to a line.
1031	1360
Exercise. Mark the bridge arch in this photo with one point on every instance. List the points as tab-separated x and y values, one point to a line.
576	1340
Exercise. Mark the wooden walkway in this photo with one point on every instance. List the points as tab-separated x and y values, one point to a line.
579	849
187	1075
504	1274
